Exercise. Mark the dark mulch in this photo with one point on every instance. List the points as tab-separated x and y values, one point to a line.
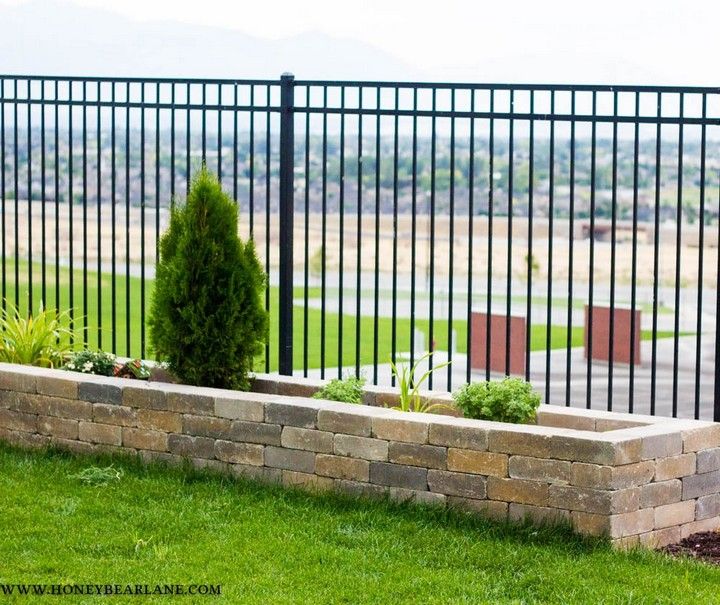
704	546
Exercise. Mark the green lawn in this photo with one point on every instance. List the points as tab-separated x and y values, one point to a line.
266	544
128	295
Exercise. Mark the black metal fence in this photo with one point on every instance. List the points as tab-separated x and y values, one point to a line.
393	218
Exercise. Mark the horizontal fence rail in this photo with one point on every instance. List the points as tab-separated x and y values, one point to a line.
528	225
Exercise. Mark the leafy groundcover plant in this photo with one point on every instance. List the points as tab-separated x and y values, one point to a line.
348	390
208	318
508	400
39	340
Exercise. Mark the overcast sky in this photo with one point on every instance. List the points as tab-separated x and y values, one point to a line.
637	41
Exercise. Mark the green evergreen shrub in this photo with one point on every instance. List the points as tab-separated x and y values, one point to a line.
507	400
207	318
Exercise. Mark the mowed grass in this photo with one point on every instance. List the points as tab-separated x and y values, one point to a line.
94	317
266	544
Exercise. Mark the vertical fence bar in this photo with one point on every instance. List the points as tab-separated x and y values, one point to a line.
157	174
451	242
376	288
43	192
235	144
413	234
531	212
268	162
591	262
323	238
716	384
251	162
187	140
471	213
341	243
358	271
29	196
306	264
395	234
508	292
172	143
287	152
491	182
433	163
678	256
71	222
633	278
656	254
113	228
127	214
16	183
57	198
142	220
98	198
613	249
571	258
219	133
203	112
701	252
85	214
2	186
551	221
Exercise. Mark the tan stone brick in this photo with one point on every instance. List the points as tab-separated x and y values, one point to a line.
708	460
610	424
695	486
521	491
707	507
307	439
662	445
591	500
675	467
303	415
701	438
360	489
540	469
361	447
674	514
58	427
144	397
458	435
66	408
100	390
625	544
398	475
206	426
57	386
414	454
477	462
189	402
252	411
157	420
401	494
18	421
661	537
13	380
306	481
104	413
612	477
214	466
400	429
697	527
22	439
595	450
590	524
191	447
289	460
100	433
457	484
565	418
256	473
538	515
658	494
239	453
255	432
633	523
345	422
71	445
492	509
143	439
341	467
519	442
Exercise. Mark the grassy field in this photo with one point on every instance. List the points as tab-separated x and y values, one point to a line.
265	544
94	320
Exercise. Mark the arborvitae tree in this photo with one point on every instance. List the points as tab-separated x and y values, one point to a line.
207	319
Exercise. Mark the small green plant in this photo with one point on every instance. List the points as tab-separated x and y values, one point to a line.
91	362
40	340
135	368
410	400
99	476
508	400
208	318
348	390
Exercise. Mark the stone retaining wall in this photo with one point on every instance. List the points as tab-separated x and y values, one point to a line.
635	479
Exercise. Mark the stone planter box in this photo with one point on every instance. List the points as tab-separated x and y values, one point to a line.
635	479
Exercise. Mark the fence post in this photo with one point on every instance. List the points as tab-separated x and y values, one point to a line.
287	161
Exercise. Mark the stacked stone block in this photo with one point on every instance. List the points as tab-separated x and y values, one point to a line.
637	480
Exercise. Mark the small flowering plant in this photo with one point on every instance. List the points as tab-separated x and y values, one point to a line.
92	362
